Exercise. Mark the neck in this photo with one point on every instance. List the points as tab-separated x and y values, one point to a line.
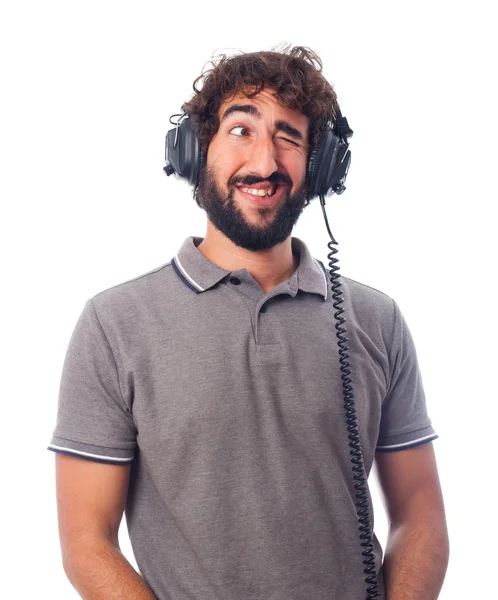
267	267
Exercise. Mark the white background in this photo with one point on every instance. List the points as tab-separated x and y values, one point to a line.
88	88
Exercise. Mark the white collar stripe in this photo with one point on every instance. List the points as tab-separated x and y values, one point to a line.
186	275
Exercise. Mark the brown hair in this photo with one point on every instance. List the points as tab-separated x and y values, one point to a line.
294	72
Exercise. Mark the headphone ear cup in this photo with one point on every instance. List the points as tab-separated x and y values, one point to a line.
183	152
328	164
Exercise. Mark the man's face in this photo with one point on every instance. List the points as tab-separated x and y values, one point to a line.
256	146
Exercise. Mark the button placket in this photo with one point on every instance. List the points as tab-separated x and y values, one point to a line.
262	309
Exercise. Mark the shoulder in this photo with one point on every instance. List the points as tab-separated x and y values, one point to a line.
137	296
371	311
364	297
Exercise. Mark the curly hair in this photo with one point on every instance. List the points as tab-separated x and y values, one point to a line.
295	74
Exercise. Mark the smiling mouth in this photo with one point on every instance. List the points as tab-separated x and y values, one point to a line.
257	199
259	193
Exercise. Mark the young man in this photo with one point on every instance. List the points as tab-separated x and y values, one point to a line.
205	397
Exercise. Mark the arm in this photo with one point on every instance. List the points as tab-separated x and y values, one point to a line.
417	548
90	502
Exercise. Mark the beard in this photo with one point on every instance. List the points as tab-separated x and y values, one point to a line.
225	215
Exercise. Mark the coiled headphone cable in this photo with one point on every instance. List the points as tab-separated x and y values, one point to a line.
361	494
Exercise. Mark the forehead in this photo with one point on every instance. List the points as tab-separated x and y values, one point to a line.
269	107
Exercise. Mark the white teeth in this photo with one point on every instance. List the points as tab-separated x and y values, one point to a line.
268	192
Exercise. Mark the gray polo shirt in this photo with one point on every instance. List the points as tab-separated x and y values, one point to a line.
228	403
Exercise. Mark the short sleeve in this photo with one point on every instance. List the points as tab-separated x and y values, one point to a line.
93	420
404	421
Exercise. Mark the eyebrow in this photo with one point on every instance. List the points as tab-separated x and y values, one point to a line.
252	110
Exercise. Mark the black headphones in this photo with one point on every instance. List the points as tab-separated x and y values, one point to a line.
327	167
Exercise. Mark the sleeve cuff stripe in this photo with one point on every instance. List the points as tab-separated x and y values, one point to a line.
90	455
416	442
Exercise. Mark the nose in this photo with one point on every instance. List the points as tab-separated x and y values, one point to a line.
262	157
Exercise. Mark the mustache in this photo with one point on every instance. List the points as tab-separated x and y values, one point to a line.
253	179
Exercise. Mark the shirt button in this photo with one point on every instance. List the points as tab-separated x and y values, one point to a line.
235	280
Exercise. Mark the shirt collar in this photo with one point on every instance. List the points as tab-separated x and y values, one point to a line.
199	274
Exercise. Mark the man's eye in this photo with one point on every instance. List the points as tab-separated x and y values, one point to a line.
238	127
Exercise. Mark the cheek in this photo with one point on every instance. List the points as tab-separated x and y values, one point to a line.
299	168
224	169
220	172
